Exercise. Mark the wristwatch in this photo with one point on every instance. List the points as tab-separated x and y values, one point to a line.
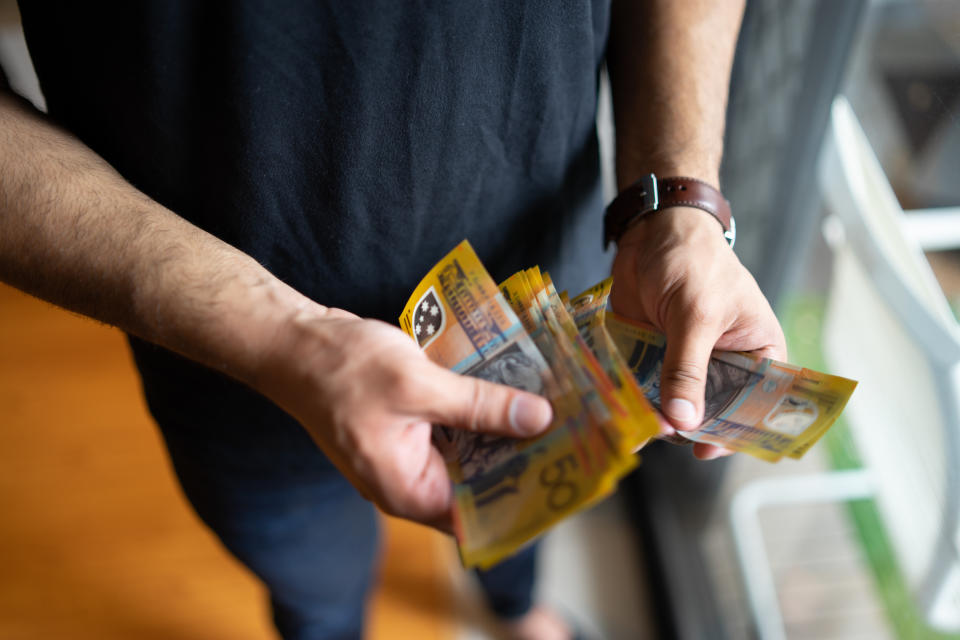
649	194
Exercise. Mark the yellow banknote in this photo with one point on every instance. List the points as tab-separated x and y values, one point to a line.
625	422
608	427
498	511
507	491
589	312
571	363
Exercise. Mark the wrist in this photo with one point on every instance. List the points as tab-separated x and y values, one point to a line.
674	226
704	172
234	319
272	349
703	166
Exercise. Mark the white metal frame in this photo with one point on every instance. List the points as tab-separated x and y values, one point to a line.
855	187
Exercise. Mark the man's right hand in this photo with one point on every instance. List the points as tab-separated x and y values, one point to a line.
75	233
368	396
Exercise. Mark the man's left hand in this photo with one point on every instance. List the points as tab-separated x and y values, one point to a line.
675	271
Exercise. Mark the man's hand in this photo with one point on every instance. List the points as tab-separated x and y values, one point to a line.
73	232
674	270
669	63
368	396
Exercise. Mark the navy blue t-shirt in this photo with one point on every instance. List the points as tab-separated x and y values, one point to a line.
346	146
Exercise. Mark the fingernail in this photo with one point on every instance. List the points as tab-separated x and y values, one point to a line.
529	414
680	410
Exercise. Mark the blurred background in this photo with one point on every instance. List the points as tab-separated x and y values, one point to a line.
843	168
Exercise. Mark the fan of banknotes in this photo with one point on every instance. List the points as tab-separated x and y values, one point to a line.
601	373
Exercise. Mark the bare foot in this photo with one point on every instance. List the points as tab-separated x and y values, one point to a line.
540	623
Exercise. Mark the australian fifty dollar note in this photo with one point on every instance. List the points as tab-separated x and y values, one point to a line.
506	490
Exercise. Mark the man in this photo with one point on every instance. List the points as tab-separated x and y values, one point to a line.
249	185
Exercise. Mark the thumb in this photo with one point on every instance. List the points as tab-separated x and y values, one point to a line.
684	376
463	402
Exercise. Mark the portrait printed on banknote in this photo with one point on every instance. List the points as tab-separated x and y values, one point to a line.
477	453
792	415
725	381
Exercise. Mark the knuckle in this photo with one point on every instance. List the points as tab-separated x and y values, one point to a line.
685	373
400	384
393	502
391	490
366	457
410	503
391	506
404	498
478	399
703	313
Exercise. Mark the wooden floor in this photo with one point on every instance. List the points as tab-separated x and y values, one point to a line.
96	540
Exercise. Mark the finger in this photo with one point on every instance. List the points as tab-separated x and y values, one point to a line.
710	452
469	403
758	334
666	429
411	481
434	494
777	350
684	375
777	353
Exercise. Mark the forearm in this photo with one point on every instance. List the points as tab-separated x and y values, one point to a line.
75	233
669	63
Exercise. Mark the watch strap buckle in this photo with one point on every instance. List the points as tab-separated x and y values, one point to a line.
649	196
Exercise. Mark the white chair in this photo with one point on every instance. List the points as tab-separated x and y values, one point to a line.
889	326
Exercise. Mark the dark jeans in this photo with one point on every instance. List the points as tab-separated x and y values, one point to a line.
276	502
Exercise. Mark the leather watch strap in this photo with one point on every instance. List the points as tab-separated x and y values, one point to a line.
650	194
